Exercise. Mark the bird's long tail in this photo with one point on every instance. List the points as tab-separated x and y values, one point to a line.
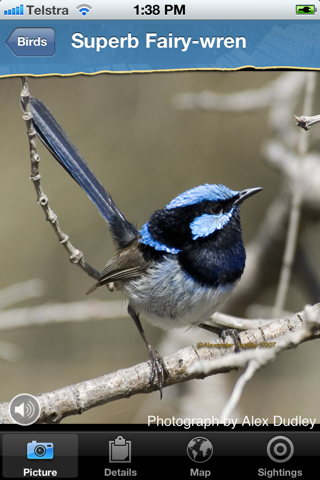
60	146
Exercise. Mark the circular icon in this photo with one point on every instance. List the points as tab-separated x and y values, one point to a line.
40	450
24	409
280	449
199	449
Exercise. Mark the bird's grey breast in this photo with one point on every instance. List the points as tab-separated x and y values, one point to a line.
170	298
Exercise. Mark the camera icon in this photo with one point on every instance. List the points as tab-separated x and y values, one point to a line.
39	451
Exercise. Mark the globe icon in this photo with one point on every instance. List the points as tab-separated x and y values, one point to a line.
200	449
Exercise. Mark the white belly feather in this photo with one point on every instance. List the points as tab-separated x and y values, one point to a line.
169	298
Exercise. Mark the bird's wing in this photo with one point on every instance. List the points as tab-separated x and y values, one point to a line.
128	264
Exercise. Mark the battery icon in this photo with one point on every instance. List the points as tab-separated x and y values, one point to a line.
305	9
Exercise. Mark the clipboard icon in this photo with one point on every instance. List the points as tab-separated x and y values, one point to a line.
120	450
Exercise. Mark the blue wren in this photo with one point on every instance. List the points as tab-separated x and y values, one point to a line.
182	264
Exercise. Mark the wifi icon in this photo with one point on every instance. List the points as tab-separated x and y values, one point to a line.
84	9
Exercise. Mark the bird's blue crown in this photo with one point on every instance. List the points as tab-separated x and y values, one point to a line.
212	193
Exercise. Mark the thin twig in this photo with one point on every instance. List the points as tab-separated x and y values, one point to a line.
21	291
279	95
75	255
307	122
251	369
296	202
49	314
273	92
230	321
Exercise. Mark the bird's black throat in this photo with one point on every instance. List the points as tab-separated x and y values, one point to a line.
219	258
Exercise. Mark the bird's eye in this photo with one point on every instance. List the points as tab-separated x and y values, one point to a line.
216	209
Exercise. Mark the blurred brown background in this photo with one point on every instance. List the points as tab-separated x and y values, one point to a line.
145	152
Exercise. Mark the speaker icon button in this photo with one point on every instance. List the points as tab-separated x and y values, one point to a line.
24	409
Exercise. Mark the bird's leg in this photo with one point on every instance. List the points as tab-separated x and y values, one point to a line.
234	334
157	364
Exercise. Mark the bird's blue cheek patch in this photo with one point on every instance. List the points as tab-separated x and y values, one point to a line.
206	224
146	239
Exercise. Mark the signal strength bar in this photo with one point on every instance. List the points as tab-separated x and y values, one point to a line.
14	11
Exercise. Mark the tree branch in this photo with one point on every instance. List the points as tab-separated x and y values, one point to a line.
20	292
61	313
257	359
295	210
307	122
75	399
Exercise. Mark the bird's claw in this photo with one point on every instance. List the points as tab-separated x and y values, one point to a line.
158	369
234	334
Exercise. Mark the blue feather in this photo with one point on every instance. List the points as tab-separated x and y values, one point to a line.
61	147
203	192
206	224
147	239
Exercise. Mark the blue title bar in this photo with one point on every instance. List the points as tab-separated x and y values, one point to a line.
128	46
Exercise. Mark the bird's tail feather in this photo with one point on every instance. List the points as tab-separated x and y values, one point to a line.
61	147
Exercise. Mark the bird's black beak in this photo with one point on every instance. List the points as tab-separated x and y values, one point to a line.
246	194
